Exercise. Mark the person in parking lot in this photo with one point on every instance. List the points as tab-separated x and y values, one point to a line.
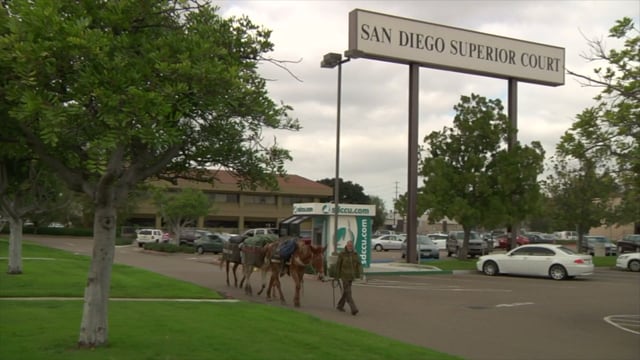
348	268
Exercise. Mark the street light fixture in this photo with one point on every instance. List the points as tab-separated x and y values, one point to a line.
330	61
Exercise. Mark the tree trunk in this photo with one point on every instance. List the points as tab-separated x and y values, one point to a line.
464	250
15	247
94	326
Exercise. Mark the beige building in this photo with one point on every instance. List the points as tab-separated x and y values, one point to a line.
235	210
614	232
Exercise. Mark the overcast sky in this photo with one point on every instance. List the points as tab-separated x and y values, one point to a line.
374	120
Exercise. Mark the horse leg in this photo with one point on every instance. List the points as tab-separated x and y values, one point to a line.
247	276
297	279
235	277
264	270
279	288
228	284
272	283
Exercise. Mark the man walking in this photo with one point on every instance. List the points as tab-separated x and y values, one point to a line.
348	268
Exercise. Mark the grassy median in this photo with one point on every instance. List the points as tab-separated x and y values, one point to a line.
48	329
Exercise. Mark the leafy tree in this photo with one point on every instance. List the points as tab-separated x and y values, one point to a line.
26	189
607	135
579	196
381	212
468	174
350	193
180	209
111	93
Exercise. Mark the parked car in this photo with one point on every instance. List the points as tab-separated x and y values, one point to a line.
383	232
554	261
427	249
260	231
629	261
387	242
594	241
210	243
566	235
503	240
477	246
629	243
440	240
541	238
149	236
188	236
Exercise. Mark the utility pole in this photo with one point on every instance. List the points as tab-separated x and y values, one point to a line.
394	208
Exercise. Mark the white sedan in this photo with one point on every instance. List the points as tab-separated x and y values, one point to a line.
554	261
630	261
387	242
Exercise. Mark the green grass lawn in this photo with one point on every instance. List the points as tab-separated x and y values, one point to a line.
48	329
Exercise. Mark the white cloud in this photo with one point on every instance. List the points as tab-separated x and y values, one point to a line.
375	94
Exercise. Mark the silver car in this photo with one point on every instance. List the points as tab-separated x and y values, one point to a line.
426	248
387	242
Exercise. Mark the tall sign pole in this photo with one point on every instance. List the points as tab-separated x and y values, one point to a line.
512	104
412	180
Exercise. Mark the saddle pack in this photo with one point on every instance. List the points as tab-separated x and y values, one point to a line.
286	248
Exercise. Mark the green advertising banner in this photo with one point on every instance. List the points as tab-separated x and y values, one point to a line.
362	244
358	230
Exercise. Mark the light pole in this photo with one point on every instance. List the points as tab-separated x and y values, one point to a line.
331	60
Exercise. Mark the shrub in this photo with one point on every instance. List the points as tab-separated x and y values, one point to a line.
169	248
124	241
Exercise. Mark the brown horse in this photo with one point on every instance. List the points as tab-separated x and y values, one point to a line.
250	255
231	269
231	255
303	256
272	263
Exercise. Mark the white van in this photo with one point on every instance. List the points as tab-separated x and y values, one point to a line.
148	236
566	235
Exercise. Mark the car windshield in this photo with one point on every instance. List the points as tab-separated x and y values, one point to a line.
424	240
598	239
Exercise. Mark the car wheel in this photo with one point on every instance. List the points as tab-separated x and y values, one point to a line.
378	247
200	250
557	272
140	244
634	265
490	268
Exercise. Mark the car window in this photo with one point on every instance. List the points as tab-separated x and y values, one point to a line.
540	251
520	252
566	250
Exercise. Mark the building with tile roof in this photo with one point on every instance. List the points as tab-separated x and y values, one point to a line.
234	209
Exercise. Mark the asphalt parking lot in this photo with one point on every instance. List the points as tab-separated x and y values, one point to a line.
468	314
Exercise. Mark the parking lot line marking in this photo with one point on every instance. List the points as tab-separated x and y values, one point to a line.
515	304
429	288
628	321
